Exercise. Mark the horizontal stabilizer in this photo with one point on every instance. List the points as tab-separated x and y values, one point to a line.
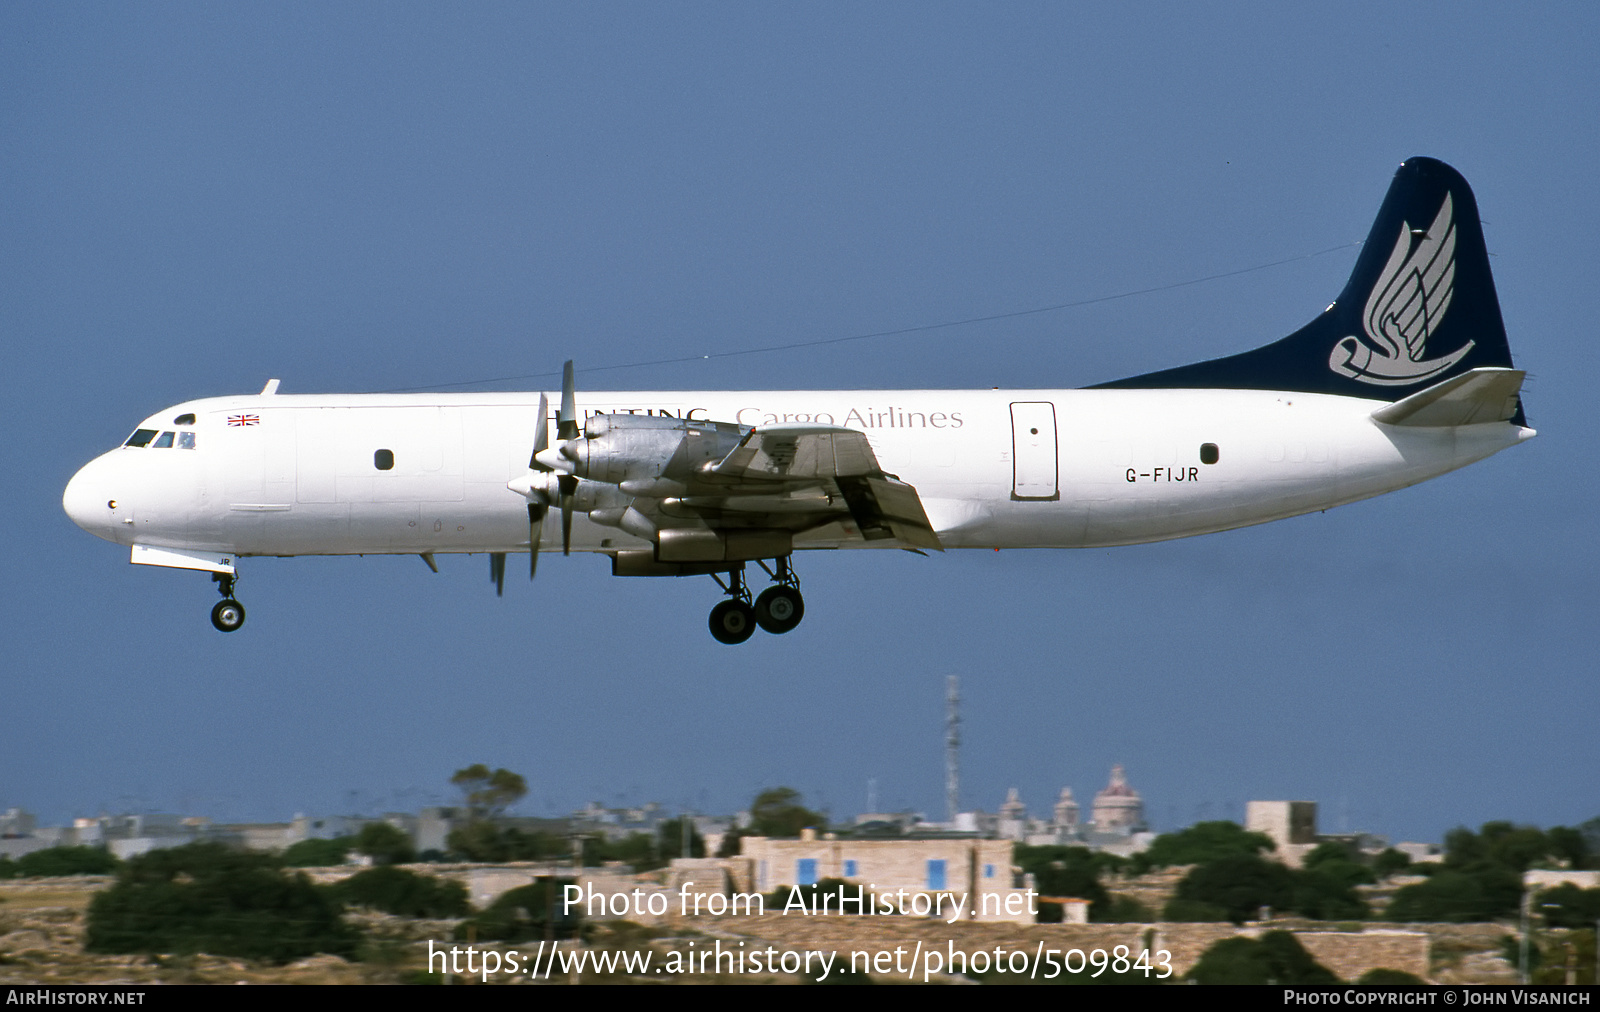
1475	397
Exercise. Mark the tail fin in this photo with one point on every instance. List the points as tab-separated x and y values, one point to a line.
1419	307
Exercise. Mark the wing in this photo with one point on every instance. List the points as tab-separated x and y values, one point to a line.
801	477
1415	288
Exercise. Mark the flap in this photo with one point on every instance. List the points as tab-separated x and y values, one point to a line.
799	453
838	461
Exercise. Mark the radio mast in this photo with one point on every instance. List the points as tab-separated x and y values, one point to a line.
952	751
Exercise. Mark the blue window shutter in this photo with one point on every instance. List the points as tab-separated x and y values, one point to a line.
805	871
935	874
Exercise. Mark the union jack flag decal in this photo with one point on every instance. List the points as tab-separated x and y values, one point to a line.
238	420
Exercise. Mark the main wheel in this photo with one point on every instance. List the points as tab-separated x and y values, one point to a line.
780	609
228	615
733	622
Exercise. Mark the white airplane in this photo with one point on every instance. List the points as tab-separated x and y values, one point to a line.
1407	376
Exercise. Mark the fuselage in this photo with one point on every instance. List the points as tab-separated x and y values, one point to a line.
284	474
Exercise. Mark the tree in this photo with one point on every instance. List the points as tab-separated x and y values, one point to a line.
640	851
1590	832
1278	958
484	841
530	911
207	898
385	844
1327	892
777	812
1238	885
730	842
1200	843
317	853
1459	896
405	894
1569	846
1516	848
488	794
1567	906
670	833
1325	889
54	862
1064	872
1390	862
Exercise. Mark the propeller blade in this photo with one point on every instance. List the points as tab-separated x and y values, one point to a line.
535	531
569	486
497	572
567	421
541	434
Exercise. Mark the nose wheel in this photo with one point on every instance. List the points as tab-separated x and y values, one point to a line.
228	614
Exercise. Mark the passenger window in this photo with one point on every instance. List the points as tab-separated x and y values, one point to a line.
383	460
1208	453
185	440
164	442
141	438
184	419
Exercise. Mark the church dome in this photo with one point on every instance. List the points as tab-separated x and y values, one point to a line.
1118	806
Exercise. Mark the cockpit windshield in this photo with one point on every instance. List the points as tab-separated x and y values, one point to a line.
164	441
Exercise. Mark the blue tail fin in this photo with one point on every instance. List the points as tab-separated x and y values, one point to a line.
1419	307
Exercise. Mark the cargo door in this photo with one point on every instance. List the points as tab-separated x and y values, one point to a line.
1034	463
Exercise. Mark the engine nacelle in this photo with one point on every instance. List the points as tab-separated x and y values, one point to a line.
654	454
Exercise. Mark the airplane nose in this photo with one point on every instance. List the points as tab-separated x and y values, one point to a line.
85	501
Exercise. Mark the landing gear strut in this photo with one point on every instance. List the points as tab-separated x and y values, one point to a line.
779	608
734	620
228	615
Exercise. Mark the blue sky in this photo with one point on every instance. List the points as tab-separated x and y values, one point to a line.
367	197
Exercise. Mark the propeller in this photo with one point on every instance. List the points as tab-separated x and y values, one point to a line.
543	465
537	510
567	428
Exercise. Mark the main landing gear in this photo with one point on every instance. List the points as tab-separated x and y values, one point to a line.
228	615
779	608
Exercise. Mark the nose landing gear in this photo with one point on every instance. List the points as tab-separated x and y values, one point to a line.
228	615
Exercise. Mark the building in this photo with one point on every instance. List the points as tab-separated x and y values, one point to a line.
1541	878
1116	824
1292	827
1066	811
1118	807
953	873
1013	824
